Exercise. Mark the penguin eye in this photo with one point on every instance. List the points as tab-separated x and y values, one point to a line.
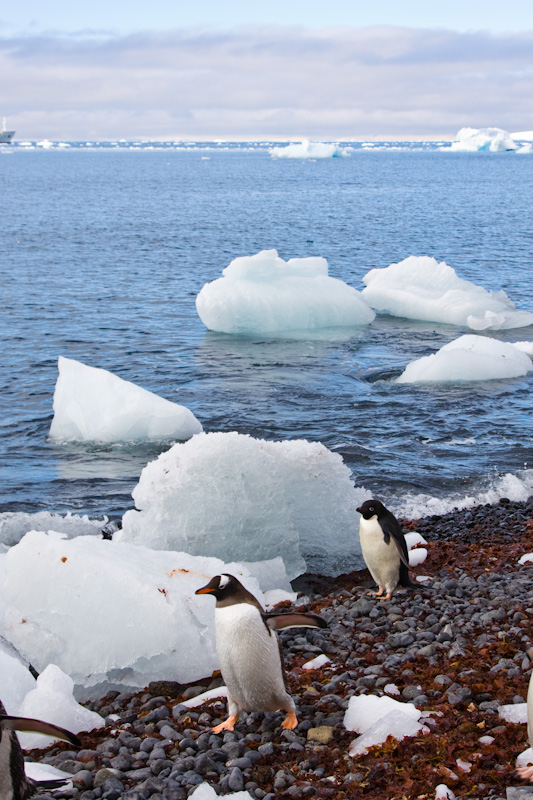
371	508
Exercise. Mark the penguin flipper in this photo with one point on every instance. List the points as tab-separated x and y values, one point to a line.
37	726
293	619
391	527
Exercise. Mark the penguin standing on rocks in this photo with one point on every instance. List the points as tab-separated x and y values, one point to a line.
14	784
384	548
249	651
526	773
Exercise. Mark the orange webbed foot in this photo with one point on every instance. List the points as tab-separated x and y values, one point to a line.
290	721
227	725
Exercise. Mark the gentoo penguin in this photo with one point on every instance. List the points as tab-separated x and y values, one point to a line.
249	651
526	773
384	548
14	785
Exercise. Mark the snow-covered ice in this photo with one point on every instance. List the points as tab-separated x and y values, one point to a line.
419	287
244	499
14	524
492	140
469	358
307	149
92	404
265	294
52	701
110	613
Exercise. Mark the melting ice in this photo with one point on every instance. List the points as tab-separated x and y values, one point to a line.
263	293
419	287
239	498
307	149
492	140
92	404
469	358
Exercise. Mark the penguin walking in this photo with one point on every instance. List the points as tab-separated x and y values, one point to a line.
249	651
384	548
14	784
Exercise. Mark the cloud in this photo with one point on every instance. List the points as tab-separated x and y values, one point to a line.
265	82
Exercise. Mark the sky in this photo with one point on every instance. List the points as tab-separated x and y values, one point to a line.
169	70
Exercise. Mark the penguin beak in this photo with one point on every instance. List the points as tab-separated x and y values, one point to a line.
209	588
359	509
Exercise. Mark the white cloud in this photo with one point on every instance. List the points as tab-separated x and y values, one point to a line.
266	81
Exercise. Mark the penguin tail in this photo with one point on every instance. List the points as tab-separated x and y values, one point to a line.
405	579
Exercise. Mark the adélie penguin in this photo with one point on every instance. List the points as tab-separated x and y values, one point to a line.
14	784
384	548
526	773
249	651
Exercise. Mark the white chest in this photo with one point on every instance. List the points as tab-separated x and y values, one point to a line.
382	559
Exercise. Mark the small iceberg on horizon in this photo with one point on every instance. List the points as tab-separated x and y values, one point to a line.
265	294
488	140
421	288
469	358
94	405
307	149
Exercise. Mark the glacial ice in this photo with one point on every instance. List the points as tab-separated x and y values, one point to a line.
265	294
307	149
92	404
110	613
239	498
52	700
492	140
469	358
419	287
14	524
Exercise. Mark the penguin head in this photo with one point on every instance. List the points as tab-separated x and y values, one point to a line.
222	586
371	508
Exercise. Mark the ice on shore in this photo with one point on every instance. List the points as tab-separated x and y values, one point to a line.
92	404
244	499
419	287
14	524
52	701
307	149
491	140
109	613
265	294
15	678
204	791
469	358
376	718
513	712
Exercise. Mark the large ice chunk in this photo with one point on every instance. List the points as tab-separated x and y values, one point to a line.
52	700
110	613
14	524
15	679
239	498
469	358
419	287
492	140
263	293
92	404
307	149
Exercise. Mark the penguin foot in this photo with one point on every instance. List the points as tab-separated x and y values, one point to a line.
385	596
290	721
376	594
227	725
526	773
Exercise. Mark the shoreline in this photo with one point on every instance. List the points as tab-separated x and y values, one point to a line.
455	645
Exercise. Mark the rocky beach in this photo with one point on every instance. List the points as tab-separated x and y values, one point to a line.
454	645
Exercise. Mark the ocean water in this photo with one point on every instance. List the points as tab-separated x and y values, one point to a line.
105	247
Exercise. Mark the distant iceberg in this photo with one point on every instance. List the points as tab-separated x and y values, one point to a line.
522	136
243	499
469	358
92	404
421	288
264	294
491	140
307	149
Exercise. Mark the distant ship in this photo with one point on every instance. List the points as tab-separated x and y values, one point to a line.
6	136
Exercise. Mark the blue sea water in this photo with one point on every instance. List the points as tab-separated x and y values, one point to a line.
105	247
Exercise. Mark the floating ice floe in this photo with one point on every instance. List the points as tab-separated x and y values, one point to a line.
307	149
242	499
109	613
264	294
52	701
491	140
419	287
469	358
14	524
92	404
376	718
